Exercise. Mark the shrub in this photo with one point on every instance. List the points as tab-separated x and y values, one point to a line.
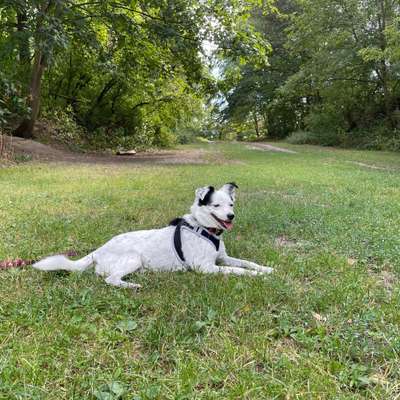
379	137
60	126
187	135
12	104
327	138
104	138
201	139
302	137
163	137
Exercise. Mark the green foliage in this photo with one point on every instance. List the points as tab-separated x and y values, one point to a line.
302	137
377	137
333	70
200	139
163	137
12	103
62	127
250	89
22	158
185	136
132	68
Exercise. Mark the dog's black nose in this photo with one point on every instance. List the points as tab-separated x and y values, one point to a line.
231	216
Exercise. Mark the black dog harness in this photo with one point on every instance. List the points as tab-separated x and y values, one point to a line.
200	231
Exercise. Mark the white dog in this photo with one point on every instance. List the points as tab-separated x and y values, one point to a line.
192	242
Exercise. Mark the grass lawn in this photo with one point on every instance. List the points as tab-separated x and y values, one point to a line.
324	326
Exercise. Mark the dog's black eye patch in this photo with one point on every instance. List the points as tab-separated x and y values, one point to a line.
207	198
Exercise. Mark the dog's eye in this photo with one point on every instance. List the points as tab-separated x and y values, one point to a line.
230	205
216	205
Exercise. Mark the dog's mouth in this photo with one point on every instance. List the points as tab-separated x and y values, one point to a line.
226	225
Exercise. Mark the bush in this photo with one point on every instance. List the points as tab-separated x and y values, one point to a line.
327	127
379	137
121	139
201	139
247	135
163	137
188	135
302	137
12	104
393	143
117	139
327	138
60	126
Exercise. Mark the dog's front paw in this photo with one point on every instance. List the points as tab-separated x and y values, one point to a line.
135	286
266	270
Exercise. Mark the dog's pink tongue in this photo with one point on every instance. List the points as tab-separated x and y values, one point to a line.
228	225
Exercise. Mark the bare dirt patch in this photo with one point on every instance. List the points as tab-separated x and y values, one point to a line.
283	241
269	147
51	153
386	279
371	166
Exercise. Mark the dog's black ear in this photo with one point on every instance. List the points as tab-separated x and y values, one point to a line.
203	195
230	188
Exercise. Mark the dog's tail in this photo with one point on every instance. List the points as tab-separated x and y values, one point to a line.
55	263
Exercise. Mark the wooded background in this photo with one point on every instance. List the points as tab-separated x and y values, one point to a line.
138	74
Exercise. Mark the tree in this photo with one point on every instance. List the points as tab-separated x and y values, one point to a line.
251	89
346	71
112	59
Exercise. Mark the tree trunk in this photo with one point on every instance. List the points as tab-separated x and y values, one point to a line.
25	129
256	124
106	88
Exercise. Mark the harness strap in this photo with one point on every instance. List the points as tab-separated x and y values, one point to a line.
199	230
178	242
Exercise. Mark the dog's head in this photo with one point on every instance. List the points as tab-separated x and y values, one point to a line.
214	208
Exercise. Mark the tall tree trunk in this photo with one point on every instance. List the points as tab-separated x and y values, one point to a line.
265	125
256	124
25	129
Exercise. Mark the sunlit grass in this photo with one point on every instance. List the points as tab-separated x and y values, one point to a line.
325	325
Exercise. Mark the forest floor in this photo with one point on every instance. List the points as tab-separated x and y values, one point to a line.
324	325
34	150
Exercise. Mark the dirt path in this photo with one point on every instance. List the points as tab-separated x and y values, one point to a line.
49	153
371	166
269	147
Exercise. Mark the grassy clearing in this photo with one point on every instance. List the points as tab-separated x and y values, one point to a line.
325	325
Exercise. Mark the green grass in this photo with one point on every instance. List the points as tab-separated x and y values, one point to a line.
324	326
